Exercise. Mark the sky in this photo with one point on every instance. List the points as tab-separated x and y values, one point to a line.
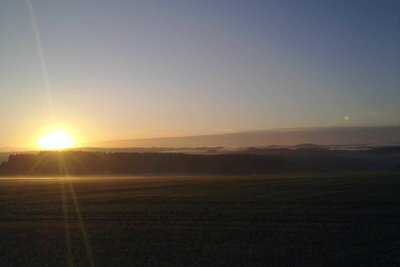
133	69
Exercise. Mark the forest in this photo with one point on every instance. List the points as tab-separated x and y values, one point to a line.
251	162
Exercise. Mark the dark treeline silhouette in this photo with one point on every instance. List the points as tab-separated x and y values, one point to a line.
99	163
121	163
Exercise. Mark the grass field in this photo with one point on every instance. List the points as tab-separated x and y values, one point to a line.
308	220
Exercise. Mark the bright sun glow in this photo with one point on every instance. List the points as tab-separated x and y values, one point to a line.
57	140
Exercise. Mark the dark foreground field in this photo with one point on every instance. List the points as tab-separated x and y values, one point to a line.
341	220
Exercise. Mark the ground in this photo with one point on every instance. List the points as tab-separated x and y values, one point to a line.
286	220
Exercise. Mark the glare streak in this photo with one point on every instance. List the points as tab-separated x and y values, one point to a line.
81	224
66	225
43	64
64	170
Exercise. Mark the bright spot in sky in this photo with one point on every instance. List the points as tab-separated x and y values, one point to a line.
56	140
347	118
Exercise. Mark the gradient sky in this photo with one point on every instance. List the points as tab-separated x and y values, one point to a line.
134	69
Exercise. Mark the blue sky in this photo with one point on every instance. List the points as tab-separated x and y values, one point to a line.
134	69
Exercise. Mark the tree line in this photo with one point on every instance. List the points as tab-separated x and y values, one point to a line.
100	163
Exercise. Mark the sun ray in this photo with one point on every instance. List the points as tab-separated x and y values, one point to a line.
39	47
81	224
63	169
66	224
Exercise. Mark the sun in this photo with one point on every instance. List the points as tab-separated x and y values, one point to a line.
56	140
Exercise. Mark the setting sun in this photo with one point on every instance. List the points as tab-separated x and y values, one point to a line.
55	141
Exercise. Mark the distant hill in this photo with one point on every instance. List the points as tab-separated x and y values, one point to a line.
279	137
323	137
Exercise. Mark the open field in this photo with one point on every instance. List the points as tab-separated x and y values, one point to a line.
337	220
